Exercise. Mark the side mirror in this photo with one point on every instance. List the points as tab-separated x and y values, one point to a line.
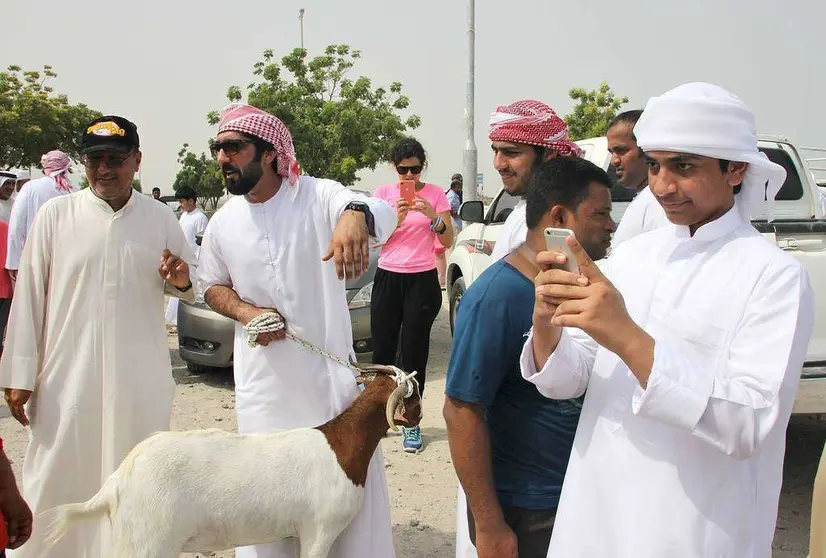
472	212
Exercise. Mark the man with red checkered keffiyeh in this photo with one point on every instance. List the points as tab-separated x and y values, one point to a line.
285	242
522	135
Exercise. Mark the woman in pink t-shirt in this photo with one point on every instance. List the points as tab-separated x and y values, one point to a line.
406	293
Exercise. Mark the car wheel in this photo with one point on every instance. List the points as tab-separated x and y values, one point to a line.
457	291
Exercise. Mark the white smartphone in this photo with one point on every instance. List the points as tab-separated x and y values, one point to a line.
555	242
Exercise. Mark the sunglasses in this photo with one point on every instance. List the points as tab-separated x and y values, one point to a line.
93	160
229	147
402	170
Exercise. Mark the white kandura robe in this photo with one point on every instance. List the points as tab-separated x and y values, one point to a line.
86	334
643	214
5	209
26	205
512	233
692	465
193	223
270	254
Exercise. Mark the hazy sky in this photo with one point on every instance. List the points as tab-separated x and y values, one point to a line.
165	64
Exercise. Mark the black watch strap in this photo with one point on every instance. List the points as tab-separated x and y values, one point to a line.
368	215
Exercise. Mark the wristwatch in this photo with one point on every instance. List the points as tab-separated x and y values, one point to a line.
368	215
185	288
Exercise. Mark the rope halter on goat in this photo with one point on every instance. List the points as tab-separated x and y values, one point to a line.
406	386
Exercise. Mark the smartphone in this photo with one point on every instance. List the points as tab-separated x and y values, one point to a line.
407	190
555	242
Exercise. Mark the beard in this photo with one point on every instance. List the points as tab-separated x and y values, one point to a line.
244	179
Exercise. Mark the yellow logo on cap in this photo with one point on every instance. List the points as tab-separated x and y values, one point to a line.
106	129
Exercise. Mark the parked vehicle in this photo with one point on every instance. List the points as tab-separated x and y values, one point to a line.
798	228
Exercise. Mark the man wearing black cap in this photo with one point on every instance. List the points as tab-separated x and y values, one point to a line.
87	348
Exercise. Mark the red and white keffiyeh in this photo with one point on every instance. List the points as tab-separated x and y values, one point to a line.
238	117
532	123
57	165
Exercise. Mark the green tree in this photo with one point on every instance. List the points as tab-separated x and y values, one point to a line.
339	125
202	174
84	183
35	120
593	111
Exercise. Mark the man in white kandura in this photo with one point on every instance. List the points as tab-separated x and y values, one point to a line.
86	348
269	248
55	182
690	344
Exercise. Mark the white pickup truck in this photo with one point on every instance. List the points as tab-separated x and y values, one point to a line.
798	227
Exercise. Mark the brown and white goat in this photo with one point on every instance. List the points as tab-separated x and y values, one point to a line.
207	490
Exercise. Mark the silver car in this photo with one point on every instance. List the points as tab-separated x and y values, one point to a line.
205	338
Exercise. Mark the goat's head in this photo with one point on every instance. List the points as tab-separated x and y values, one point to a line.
404	404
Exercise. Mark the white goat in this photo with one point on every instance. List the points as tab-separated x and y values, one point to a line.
206	490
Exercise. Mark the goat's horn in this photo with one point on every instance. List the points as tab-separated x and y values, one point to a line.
392	402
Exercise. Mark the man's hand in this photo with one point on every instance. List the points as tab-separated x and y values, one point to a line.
499	542
350	246
248	312
16	512
16	399
587	301
174	270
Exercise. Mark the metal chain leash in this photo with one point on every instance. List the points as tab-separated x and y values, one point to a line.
272	322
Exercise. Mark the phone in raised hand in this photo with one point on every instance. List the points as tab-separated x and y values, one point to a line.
407	190
555	242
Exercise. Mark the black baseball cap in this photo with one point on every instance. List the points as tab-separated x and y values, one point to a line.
109	133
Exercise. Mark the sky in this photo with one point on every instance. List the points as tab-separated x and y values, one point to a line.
166	64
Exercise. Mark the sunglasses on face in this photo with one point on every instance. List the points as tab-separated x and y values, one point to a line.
402	170
93	160
229	147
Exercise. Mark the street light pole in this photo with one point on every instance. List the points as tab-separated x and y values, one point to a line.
469	167
301	22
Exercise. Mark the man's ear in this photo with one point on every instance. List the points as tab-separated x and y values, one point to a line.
557	216
736	172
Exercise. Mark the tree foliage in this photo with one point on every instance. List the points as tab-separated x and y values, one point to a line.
339	124
202	174
35	120
593	111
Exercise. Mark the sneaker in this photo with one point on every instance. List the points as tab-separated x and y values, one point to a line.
412	442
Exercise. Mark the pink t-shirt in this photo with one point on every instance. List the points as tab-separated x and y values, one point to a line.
411	248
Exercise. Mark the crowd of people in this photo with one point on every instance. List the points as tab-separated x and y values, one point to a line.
635	407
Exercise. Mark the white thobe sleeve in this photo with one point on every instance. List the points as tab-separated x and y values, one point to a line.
212	268
177	244
734	404
568	370
337	196
17	229
632	222
20	364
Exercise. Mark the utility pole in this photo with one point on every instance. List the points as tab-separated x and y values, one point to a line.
469	166
301	21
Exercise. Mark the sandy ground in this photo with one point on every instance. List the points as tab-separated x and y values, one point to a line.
423	487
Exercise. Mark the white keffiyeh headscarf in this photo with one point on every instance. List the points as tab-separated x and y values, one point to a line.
706	120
